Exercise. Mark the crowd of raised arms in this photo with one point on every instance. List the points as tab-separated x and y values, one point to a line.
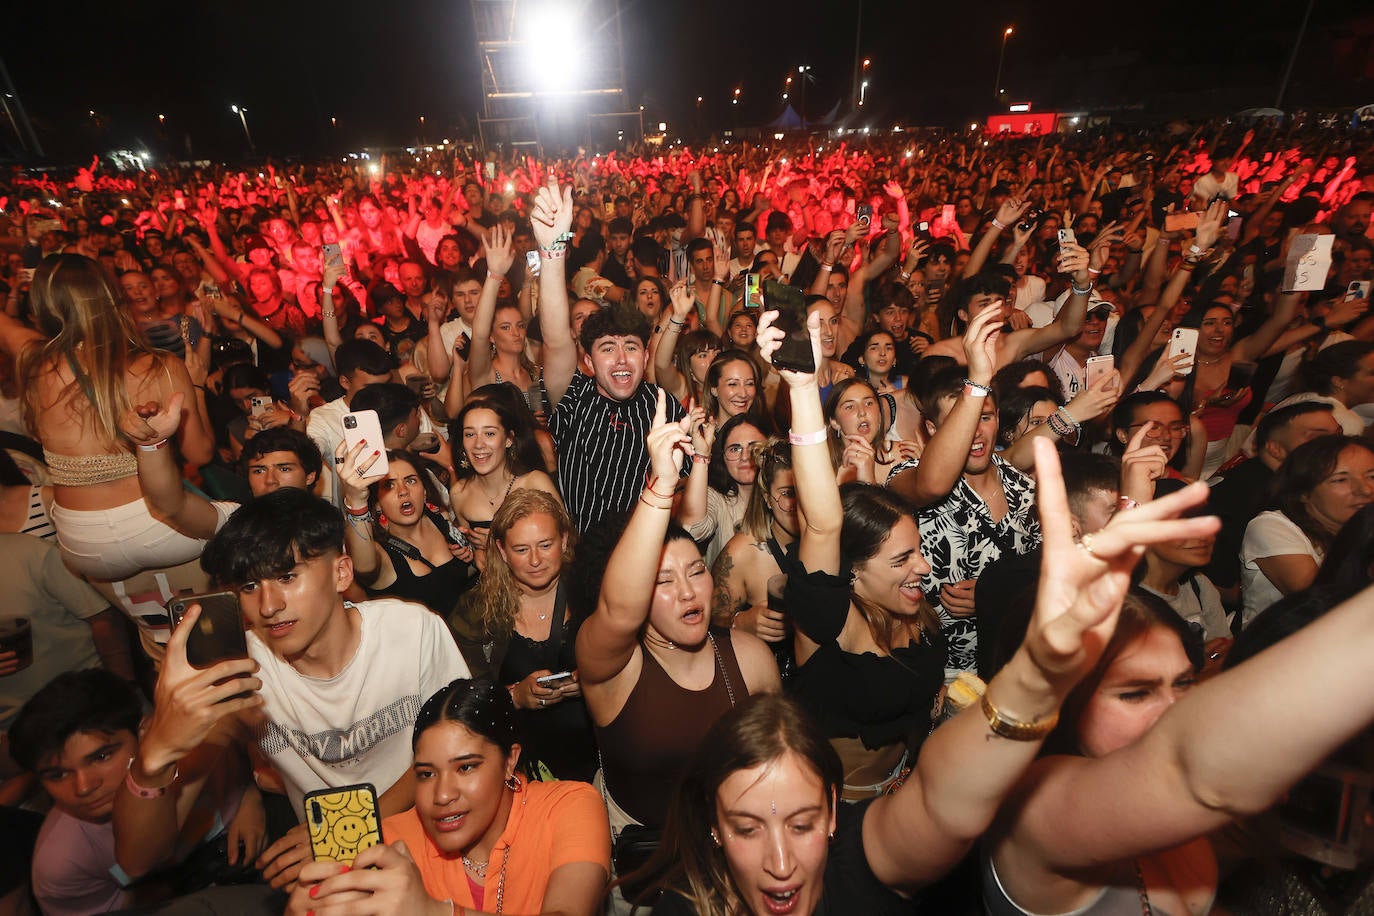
940	524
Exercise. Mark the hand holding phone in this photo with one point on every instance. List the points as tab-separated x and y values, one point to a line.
1184	341
364	426
217	634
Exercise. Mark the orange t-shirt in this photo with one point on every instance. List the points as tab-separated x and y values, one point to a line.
551	824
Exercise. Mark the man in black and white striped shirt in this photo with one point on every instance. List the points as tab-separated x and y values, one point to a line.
603	412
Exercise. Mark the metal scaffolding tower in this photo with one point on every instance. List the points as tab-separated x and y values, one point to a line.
552	70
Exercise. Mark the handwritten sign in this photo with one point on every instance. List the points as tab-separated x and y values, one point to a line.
1309	261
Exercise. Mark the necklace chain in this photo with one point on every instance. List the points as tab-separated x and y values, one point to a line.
477	868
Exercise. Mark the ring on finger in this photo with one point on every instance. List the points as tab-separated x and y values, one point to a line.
541	701
1085	544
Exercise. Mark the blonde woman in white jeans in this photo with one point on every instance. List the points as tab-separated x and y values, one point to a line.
82	373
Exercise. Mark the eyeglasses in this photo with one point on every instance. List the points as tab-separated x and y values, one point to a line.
734	452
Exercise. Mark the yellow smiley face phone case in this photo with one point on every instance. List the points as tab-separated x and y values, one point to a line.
342	822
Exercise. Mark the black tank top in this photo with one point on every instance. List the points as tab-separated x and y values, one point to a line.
644	749
438	589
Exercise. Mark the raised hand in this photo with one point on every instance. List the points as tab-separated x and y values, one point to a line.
668	443
150	422
682	300
354	467
980	342
1073	260
1011	210
1082	584
190	702
552	213
1166	368
769	338
500	252
1095	400
1209	225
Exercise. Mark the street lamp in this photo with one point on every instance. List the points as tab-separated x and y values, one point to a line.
997	87
243	119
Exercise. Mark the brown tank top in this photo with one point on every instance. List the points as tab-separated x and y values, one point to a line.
645	748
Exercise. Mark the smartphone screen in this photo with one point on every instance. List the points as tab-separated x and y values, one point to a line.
864	214
753	291
342	822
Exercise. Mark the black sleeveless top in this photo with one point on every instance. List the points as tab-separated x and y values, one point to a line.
438	589
558	738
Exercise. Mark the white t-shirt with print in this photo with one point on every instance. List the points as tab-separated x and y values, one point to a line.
356	726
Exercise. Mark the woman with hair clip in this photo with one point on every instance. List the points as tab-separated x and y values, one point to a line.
491	465
860	447
498	331
653	671
719	489
516	626
83	374
402	544
756	826
480	837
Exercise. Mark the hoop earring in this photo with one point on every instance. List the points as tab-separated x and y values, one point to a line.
513	783
382	519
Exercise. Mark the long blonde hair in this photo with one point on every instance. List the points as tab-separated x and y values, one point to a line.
497	599
77	306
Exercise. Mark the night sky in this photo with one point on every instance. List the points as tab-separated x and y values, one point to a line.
378	66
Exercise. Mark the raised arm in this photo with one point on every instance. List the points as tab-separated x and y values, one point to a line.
550	218
500	257
1007	215
1066	325
189	713
665	372
946	454
148	427
914	835
370	561
607	640
818	495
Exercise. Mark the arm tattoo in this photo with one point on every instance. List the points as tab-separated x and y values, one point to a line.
723	602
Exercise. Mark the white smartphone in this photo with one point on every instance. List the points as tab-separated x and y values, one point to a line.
1184	340
1098	366
555	680
1359	289
363	426
1066	237
259	405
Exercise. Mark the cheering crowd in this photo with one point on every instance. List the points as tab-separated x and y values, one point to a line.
940	524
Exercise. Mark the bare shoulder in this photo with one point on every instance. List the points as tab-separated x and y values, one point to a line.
756	662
